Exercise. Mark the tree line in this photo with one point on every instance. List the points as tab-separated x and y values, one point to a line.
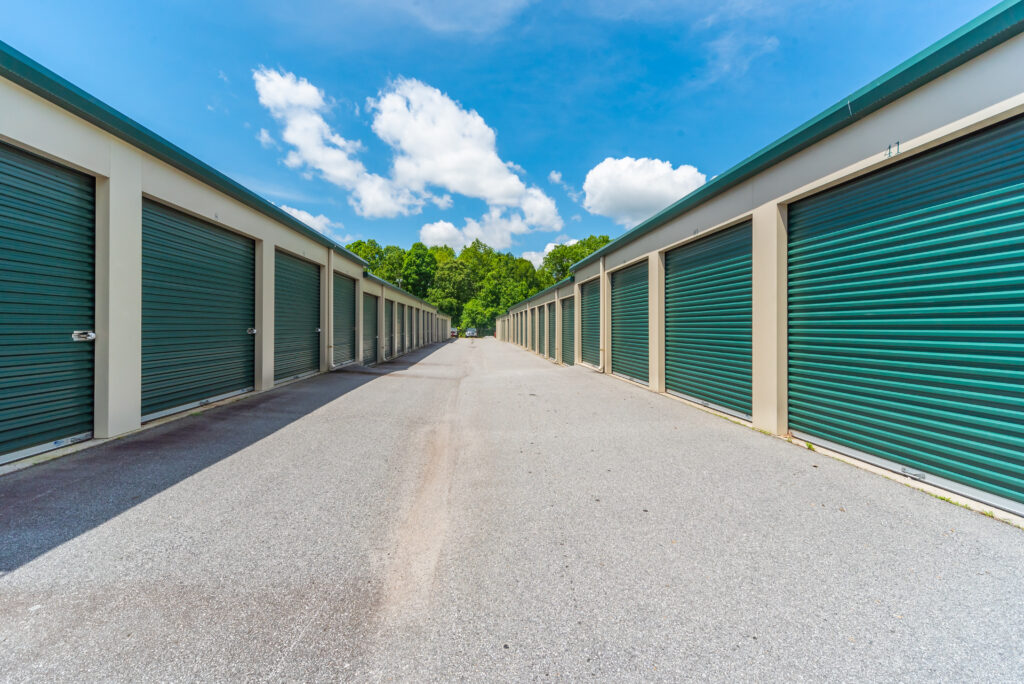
475	285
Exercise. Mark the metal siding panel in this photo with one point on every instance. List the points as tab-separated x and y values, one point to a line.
198	302
296	316
551	330
630	325
590	322
906	312
708	305
344	319
568	331
369	329
47	285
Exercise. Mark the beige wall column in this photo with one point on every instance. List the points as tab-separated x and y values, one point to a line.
118	350
769	358
606	319
265	252
326	311
656	321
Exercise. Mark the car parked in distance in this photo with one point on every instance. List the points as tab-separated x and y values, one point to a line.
454	332
470	332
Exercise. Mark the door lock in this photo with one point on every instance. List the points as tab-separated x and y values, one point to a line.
83	336
250	331
318	330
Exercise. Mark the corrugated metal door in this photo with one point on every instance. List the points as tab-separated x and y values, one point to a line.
568	331
408	316
707	319
401	328
590	322
630	332
296	316
47	257
369	329
551	330
906	313
389	327
198	308
540	330
344	319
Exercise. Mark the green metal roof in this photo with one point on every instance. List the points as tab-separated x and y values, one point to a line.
995	26
29	74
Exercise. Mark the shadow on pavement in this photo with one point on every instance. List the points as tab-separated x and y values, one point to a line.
49	504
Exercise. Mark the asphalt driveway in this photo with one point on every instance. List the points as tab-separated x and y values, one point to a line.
474	512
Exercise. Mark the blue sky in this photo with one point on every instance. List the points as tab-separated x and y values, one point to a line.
444	121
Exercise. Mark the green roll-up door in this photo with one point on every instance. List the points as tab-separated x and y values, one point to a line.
389	327
551	330
708	319
296	316
630	332
401	328
47	257
408	316
369	329
906	314
198	306
344	319
568	331
590	322
533	329
541	341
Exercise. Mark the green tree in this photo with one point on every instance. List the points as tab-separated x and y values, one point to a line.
479	259
418	269
370	251
391	264
558	260
451	289
442	253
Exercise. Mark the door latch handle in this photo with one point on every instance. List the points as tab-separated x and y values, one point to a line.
318	330
250	331
83	336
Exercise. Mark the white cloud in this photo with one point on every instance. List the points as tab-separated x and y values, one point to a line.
730	56
461	16
537	258
442	233
495	228
555	177
298	106
265	138
319	223
222	76
439	147
438	143
629	190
